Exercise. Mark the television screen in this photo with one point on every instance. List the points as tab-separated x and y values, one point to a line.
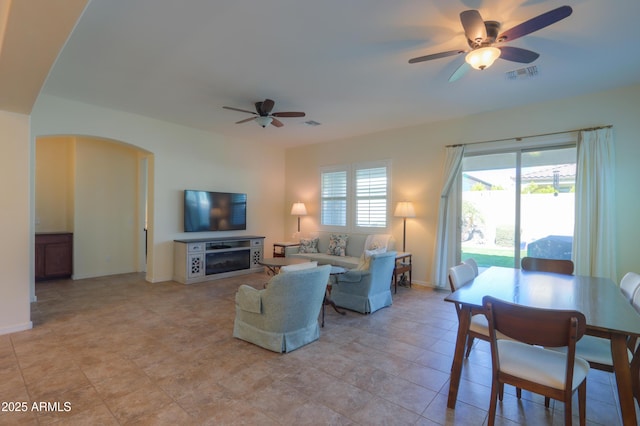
214	211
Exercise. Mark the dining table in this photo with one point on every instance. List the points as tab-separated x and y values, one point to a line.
608	313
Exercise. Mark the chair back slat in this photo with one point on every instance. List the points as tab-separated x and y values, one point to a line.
535	326
559	266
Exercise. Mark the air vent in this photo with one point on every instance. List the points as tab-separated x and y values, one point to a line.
311	123
522	73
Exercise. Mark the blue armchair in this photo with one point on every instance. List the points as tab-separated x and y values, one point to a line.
366	291
284	315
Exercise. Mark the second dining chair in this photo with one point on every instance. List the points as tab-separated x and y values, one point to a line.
460	275
597	350
629	285
559	266
525	364
471	262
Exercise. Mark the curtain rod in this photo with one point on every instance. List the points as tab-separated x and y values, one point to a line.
519	138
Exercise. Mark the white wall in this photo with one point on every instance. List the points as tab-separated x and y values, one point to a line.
182	158
15	229
417	155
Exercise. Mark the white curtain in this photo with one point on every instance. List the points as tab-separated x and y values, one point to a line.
448	241
594	247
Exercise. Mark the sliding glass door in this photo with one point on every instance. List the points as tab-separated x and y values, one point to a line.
517	203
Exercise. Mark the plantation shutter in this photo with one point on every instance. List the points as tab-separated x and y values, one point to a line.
371	197
334	198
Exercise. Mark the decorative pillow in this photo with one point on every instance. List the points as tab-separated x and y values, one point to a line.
365	259
338	244
308	245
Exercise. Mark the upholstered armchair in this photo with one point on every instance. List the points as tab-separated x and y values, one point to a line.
284	315
366	291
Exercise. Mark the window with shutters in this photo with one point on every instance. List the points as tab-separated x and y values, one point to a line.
355	197
333	206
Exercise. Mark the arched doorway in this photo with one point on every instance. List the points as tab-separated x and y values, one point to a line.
97	189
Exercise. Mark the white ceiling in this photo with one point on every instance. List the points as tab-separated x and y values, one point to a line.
342	62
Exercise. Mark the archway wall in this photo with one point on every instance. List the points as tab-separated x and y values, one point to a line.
92	187
182	158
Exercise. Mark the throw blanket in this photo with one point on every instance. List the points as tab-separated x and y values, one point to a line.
377	241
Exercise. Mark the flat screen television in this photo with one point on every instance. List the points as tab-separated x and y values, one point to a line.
214	211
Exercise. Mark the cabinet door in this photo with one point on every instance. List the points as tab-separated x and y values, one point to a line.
195	265
57	260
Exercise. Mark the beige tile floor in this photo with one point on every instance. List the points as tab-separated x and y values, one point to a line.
120	350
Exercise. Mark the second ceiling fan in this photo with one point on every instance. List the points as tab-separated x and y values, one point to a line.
484	40
263	115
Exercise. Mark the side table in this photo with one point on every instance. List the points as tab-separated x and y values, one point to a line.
402	267
279	248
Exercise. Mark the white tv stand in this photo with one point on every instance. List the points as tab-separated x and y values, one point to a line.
204	259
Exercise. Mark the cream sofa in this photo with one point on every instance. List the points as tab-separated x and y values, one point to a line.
355	248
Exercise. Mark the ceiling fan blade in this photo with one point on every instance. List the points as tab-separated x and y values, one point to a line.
245	120
462	70
435	56
516	54
276	122
267	106
473	25
238	109
258	106
288	114
534	24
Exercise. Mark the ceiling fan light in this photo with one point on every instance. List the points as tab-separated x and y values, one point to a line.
483	57
264	121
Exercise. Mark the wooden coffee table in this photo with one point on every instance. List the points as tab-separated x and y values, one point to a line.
273	264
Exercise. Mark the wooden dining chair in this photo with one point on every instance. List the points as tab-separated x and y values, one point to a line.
460	275
524	363
559	266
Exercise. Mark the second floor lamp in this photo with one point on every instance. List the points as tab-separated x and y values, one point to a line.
298	209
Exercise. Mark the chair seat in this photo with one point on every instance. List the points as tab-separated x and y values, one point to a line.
480	325
539	365
594	349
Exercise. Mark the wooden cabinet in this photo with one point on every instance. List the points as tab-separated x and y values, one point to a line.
53	255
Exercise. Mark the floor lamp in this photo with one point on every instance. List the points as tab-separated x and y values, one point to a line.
404	209
298	209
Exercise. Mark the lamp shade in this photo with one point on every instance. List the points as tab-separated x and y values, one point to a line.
483	57
405	209
298	209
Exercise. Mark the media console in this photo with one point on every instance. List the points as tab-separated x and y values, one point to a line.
203	259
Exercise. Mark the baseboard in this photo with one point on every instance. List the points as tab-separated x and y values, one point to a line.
16	327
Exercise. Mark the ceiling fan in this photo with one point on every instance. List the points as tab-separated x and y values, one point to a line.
263	115
485	41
